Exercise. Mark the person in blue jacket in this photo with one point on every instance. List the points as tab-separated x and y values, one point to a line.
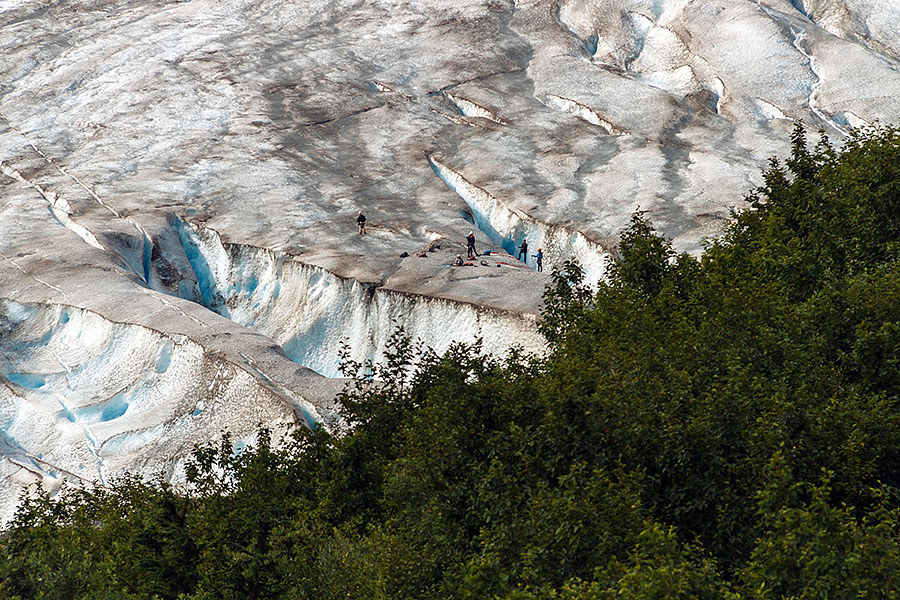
539	257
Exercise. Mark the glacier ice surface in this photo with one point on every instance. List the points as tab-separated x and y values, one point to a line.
180	184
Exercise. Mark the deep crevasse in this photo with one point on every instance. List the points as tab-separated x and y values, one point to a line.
310	311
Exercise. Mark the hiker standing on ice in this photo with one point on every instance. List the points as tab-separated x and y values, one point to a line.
470	245
523	250
361	222
539	257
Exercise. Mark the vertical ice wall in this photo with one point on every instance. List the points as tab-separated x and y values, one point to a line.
507	227
310	311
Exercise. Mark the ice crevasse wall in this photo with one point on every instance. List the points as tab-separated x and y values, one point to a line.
507	228
85	397
312	312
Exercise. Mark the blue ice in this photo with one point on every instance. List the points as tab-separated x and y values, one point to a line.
164	356
31	381
111	409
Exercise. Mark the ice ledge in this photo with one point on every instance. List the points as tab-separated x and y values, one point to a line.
311	311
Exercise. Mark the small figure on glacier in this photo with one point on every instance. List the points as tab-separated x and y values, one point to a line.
539	258
523	250
459	261
361	223
470	245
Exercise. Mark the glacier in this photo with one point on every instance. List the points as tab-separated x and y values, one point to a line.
180	180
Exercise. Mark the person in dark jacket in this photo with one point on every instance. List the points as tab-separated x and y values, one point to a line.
470	245
523	251
361	223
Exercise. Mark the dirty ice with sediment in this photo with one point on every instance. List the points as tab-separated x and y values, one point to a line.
179	183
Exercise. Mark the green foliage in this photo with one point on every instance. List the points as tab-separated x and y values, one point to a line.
565	300
811	548
718	427
643	257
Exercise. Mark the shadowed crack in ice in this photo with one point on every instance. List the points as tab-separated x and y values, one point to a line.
470	109
197	252
57	206
582	112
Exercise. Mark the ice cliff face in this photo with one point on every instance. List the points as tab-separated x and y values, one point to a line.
180	182
311	312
